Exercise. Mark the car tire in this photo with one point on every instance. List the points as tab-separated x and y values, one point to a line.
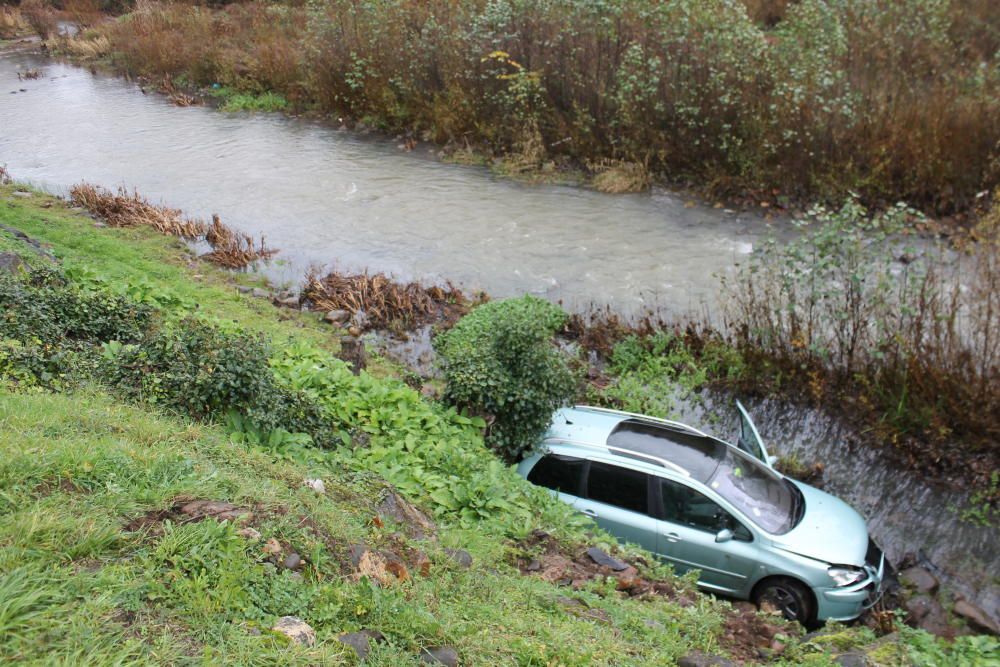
792	598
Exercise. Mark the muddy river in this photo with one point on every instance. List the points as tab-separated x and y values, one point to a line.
329	197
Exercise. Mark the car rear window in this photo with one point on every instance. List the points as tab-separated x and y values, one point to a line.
560	473
616	486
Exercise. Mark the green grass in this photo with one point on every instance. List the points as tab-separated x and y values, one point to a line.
76	469
234	100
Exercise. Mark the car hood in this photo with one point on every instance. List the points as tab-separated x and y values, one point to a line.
830	530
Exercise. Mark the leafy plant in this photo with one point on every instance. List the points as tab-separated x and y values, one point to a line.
500	361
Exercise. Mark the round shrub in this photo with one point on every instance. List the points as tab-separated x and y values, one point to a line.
500	360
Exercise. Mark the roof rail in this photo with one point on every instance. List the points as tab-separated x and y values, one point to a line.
636	415
655	459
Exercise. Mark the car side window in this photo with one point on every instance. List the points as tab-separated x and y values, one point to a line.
559	473
687	507
617	486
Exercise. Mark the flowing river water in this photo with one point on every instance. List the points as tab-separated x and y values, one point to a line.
327	197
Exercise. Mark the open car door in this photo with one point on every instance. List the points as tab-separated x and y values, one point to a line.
750	440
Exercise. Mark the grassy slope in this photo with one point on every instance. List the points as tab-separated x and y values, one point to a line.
78	586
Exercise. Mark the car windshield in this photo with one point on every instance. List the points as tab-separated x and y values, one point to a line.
760	494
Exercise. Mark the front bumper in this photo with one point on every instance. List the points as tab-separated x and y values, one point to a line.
845	603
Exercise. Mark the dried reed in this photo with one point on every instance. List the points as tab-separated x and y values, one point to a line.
230	248
385	303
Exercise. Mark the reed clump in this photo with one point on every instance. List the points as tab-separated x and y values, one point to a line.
229	248
385	303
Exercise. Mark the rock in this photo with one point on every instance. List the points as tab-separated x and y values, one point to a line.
337	316
292	562
361	641
287	302
928	614
251	534
316	485
976	617
296	629
919	580
534	566
603	559
461	557
415	523
260	293
359	319
440	655
851	659
272	547
11	262
243	289
699	659
352	350
100	225
21	193
357	552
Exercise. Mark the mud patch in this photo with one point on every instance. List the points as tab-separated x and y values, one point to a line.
190	511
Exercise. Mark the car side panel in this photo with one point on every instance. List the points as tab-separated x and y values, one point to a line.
626	525
727	567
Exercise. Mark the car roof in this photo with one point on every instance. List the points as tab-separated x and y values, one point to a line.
658	443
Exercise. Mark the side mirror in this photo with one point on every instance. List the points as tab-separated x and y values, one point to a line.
724	535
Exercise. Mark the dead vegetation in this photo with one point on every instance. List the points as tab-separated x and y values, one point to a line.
541	555
620	177
12	23
385	303
230	248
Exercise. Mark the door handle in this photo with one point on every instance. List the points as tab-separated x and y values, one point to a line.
672	537
589	512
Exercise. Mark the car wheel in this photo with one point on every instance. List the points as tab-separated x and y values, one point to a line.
788	596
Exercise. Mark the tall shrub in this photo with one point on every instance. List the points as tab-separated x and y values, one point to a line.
500	360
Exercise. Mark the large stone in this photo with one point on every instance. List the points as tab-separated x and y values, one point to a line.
852	659
337	316
918	579
928	614
361	641
699	659
296	630
440	655
976	617
287	302
260	293
11	262
415	523
460	557
602	558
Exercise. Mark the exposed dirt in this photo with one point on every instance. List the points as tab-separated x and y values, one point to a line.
748	637
185	510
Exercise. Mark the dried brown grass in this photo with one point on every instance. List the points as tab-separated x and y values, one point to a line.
40	16
12	23
230	248
385	302
619	177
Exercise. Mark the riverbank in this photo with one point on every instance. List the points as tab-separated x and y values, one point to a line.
119	511
888	113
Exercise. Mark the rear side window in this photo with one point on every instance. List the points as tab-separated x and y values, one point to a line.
559	473
616	486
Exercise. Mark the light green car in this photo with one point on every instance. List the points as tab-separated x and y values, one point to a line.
701	503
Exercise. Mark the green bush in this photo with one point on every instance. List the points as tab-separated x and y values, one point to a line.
49	324
499	360
203	371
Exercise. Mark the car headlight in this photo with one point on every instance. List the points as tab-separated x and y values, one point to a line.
844	576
